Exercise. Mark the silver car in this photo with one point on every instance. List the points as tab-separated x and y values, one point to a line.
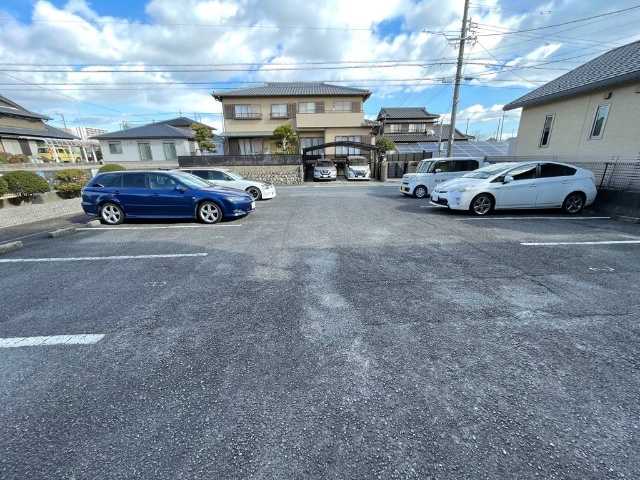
325	170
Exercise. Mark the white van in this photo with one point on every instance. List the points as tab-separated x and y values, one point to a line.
433	171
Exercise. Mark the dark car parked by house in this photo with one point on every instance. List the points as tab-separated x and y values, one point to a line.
113	196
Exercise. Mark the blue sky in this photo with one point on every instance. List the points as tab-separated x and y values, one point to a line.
102	63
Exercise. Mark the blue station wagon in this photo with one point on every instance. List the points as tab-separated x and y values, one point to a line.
113	196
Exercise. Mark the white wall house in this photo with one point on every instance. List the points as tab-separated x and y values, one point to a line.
161	141
592	111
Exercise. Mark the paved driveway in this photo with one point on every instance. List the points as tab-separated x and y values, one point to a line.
337	332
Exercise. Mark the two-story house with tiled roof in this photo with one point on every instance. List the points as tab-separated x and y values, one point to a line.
319	113
159	141
593	110
23	131
410	125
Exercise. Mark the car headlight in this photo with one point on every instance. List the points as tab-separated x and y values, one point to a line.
236	199
461	189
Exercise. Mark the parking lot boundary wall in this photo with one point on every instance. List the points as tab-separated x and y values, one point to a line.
19	215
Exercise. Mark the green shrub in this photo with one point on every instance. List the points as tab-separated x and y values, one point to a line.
4	188
69	182
70	189
111	167
25	184
73	175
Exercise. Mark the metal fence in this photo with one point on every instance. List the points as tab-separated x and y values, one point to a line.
610	173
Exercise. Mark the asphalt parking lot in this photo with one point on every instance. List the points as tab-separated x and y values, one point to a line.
339	331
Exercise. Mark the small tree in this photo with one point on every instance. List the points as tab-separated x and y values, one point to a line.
203	135
25	185
111	167
386	143
285	139
71	181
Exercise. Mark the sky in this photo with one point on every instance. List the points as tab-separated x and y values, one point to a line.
114	63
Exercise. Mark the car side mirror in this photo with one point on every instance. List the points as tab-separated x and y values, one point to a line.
507	179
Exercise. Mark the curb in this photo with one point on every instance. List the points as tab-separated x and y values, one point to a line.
61	232
10	247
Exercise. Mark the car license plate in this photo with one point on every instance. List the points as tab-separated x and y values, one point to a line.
404	189
434	197
253	205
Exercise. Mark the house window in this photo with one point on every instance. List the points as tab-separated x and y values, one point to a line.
599	120
145	151
169	150
310	142
348	150
342	106
249	146
546	130
115	147
395	128
311	107
279	111
416	128
247	111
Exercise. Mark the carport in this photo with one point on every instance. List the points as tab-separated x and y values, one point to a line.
308	159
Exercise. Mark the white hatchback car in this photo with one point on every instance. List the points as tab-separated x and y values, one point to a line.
357	168
433	171
225	177
519	185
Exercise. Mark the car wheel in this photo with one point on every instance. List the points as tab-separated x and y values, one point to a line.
77	159
209	212
421	191
254	192
111	214
573	204
482	204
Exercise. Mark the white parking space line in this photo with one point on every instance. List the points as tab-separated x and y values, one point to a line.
115	257
15	342
531	218
155	228
604	242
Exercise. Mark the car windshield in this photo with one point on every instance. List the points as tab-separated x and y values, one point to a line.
191	181
234	175
358	162
423	166
324	163
488	172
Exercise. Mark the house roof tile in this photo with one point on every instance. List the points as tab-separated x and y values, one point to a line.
153	130
9	107
405	113
298	89
614	67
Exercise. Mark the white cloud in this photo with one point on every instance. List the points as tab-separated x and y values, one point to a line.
221	38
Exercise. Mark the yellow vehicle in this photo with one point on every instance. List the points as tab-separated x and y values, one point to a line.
64	154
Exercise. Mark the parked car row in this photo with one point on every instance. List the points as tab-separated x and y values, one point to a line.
209	195
458	184
213	194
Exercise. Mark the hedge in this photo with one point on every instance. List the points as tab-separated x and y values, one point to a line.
4	188
111	167
25	184
69	182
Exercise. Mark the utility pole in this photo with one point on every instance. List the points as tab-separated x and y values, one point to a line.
456	89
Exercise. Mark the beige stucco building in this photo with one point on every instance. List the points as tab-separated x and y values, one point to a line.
318	112
591	111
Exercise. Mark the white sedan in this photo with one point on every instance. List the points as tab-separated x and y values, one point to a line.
225	177
519	185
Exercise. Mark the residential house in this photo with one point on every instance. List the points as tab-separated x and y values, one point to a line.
593	110
160	141
410	125
23	131
319	113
